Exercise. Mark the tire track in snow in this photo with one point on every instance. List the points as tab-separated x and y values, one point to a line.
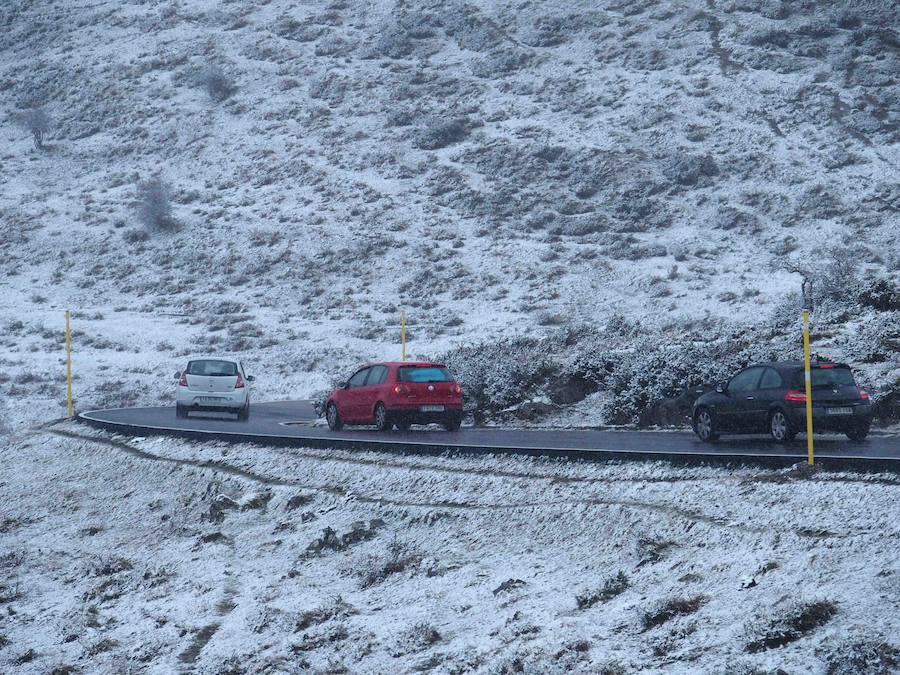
652	507
383	501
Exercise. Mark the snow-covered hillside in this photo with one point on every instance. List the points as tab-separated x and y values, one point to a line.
495	168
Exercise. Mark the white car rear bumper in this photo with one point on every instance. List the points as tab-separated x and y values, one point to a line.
212	399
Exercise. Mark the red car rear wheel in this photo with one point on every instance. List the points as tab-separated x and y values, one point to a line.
382	421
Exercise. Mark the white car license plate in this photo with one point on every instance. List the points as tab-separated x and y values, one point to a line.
210	399
431	408
838	411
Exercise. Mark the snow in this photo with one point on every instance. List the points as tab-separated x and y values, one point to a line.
309	219
138	590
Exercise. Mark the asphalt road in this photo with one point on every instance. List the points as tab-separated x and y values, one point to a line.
294	423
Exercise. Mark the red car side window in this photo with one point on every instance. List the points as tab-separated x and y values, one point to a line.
377	375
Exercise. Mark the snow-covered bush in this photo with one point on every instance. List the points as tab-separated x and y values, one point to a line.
838	280
218	84
154	205
37	122
436	133
636	371
875	340
497	375
871	657
883	295
691	169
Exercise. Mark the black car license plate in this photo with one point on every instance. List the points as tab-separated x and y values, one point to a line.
838	411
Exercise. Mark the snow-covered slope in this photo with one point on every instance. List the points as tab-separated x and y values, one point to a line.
160	556
495	168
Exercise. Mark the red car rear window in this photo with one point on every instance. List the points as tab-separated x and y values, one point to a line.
423	374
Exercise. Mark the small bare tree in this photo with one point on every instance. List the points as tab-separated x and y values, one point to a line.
37	121
218	83
154	205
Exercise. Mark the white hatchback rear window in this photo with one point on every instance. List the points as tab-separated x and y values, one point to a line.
211	368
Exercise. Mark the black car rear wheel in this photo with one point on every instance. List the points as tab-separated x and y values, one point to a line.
705	426
181	411
333	418
403	424
858	431
780	427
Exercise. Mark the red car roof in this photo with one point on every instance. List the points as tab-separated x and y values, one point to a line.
415	364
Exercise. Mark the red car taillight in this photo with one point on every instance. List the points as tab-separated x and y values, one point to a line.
864	395
796	396
183	381
240	382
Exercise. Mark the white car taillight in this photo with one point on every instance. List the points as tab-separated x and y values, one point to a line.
240	382
183	381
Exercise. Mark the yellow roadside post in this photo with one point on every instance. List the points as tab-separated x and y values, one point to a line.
69	364
403	335
807	305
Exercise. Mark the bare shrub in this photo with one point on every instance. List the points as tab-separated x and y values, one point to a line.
37	122
417	638
670	609
883	296
135	235
438	133
864	658
154	205
335	610
217	82
398	558
611	588
789	628
839	279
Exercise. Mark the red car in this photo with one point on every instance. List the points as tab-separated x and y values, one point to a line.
396	393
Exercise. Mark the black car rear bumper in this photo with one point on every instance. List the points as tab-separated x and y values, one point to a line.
824	421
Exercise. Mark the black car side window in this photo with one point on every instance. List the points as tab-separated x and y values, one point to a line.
771	379
744	381
359	378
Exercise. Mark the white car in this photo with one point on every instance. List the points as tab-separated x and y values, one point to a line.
213	384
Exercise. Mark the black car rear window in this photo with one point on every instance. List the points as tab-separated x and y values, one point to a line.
423	374
211	368
825	378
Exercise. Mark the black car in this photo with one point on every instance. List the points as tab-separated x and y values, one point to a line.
770	397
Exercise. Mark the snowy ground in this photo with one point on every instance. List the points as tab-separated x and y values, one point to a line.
156	555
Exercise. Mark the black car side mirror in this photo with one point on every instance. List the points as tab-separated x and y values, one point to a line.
343	385
177	374
250	378
721	387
